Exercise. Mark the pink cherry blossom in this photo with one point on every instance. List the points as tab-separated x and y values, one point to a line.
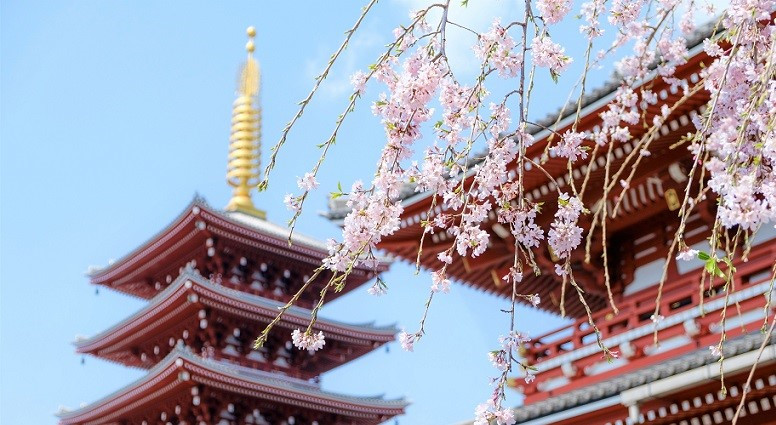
570	146
308	182
358	80
440	282
564	235
687	254
488	413
553	11
311	342
499	359
497	48
549	55
407	341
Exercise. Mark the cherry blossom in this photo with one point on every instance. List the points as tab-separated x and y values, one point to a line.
624	11
407	341
570	146
377	289
440	282
309	341
565	235
549	55
496	47
499	359
687	254
513	340
358	80
292	202
308	182
553	11
488	413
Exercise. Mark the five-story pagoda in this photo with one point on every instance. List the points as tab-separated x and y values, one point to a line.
213	280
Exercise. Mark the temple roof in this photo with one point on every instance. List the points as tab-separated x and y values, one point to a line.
198	222
616	385
181	370
591	102
191	292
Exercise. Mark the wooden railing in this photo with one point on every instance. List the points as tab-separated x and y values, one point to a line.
636	310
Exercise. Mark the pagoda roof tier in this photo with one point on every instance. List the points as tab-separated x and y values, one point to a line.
182	376
634	231
234	246
192	305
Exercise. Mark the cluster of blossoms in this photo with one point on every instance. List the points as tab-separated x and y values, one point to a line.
625	12
379	288
407	341
549	54
311	342
457	102
553	11
308	182
570	146
687	254
511	343
375	213
489	412
372	217
440	282
565	235
591	11
522	221
740	129
496	48
358	80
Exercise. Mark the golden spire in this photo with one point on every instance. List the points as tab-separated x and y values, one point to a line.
242	171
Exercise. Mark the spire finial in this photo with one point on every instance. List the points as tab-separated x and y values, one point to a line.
242	171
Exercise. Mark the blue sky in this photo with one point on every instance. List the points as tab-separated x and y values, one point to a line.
115	113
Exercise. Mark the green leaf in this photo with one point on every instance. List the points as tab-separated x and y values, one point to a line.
703	256
710	265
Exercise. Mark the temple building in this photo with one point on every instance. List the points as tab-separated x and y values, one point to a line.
213	280
674	382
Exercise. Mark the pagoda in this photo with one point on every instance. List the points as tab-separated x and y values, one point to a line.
213	280
674	382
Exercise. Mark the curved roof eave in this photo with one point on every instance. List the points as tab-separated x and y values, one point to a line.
197	206
181	360
190	277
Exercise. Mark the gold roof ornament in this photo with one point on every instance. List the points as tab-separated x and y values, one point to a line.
242	171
